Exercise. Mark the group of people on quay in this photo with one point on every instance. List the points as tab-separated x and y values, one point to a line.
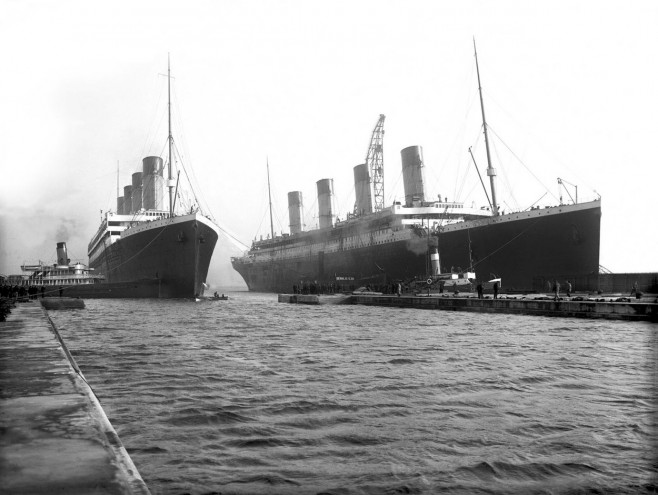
24	292
317	288
554	288
480	290
396	287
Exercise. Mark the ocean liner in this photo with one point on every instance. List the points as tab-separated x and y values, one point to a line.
145	250
379	245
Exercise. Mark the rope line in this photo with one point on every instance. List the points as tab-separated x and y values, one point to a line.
521	161
504	245
142	250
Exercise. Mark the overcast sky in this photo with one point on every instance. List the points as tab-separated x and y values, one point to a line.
569	88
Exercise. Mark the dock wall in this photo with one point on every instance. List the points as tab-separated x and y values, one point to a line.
641	311
55	435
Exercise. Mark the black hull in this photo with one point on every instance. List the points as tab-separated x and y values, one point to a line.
527	253
167	260
525	249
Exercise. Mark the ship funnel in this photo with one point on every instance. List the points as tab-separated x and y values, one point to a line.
62	254
434	260
152	183
136	199
128	200
412	175
295	211
325	198
120	205
363	190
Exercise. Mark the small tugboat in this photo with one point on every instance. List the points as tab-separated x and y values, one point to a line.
454	281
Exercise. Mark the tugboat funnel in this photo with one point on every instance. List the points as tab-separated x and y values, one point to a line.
434	259
62	254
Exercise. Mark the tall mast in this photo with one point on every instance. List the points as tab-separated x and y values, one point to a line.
491	172
170	139
269	193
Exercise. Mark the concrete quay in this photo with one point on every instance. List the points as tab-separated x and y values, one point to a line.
315	299
529	305
605	308
54	434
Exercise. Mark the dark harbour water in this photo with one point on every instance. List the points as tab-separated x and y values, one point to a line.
252	396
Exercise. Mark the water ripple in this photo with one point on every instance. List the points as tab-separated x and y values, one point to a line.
252	396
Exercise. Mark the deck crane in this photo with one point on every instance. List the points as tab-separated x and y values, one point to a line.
375	162
562	182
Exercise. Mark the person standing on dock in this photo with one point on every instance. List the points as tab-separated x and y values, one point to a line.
568	289
495	289
634	290
556	287
399	289
480	290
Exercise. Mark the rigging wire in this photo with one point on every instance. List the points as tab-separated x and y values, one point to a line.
549	151
192	180
165	227
185	149
263	207
521	162
275	210
508	242
392	195
503	172
149	139
457	193
231	236
343	203
312	213
470	101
